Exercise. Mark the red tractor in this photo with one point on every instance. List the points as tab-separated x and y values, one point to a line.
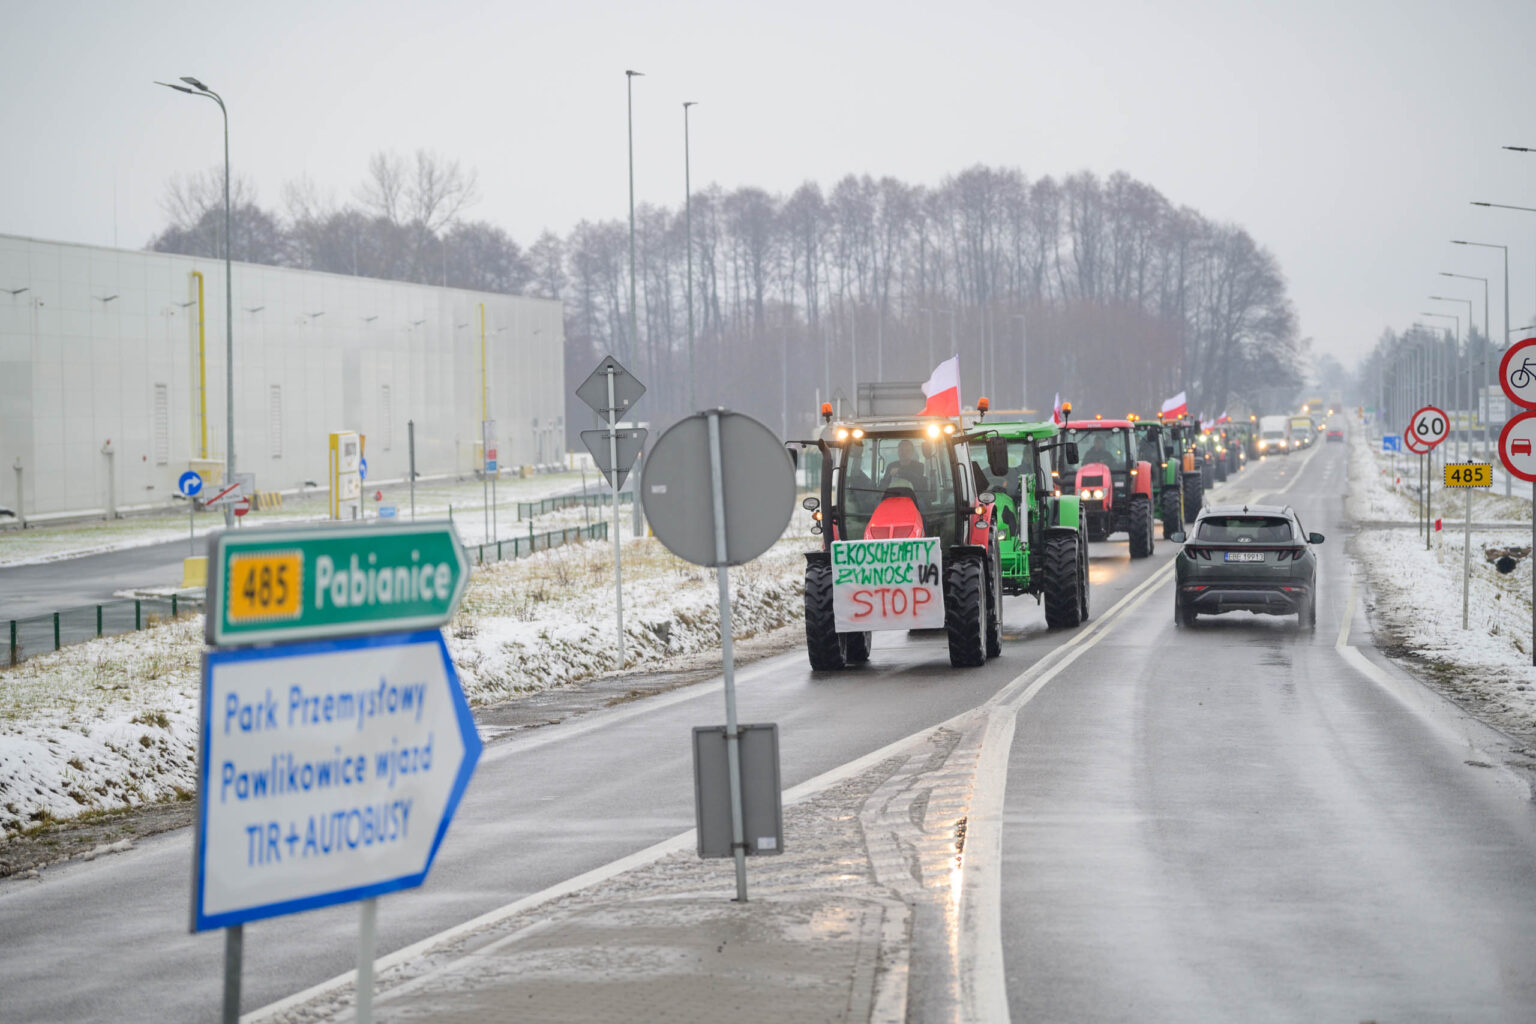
1112	483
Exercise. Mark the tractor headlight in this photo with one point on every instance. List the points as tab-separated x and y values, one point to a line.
842	433
858	432
933	430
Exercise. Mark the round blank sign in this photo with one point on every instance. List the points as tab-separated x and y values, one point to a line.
757	479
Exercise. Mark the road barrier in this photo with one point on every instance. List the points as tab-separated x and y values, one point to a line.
522	547
530	509
48	632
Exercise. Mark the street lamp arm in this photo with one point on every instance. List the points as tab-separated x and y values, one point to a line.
1506	206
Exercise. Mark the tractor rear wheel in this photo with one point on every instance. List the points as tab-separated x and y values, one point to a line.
965	611
1064	593
1207	474
1220	469
1082	579
856	647
1173	511
994	601
1140	526
1194	494
822	642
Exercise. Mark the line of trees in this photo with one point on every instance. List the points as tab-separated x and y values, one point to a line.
1099	290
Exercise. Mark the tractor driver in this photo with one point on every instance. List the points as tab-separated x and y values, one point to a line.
907	467
1099	452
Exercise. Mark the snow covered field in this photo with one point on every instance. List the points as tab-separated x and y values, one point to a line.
1486	668
112	723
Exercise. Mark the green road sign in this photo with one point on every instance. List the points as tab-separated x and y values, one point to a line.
289	583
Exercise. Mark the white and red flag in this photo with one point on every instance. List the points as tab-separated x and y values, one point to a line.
1056	414
943	389
1223	418
1176	406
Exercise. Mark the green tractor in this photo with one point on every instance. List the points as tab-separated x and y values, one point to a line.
1155	442
1044	550
1194	471
908	542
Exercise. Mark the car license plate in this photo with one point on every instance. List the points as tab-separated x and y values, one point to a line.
1244	556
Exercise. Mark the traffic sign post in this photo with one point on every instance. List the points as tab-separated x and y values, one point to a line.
609	391
1467	475
329	768
190	484
1427	428
1517	451
751	485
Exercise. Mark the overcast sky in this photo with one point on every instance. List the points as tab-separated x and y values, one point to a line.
1348	136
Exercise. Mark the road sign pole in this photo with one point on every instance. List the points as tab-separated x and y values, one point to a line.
368	919
727	658
234	948
1429	513
1466	560
618	556
191	528
1532	556
410	441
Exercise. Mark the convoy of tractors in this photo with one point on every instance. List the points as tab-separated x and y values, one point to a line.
928	522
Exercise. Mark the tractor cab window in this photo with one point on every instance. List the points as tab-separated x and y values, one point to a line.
1023	464
1106	446
876	468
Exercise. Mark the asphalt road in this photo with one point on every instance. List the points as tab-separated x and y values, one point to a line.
90	579
1228	823
1235	821
542	808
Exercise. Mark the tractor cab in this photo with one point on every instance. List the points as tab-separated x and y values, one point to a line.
1154	442
888	480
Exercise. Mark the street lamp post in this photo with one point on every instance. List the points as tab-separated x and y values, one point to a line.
1463	444
1023	360
688	230
199	89
1480	400
1506	206
629	87
1487	374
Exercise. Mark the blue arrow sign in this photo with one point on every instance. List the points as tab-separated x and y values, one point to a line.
1391	443
189	483
328	773
362	469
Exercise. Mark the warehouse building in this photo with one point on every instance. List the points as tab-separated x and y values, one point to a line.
112	375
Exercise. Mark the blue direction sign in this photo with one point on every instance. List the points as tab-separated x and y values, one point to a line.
328	773
189	484
362	469
1391	443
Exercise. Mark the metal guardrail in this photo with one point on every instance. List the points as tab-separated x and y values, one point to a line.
38	634
530	509
521	547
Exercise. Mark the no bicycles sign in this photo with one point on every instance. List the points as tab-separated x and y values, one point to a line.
1517	373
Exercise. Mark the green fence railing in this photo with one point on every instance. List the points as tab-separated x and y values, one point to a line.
50	631
522	547
530	509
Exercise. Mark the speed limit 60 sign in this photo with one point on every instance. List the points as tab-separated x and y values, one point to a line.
1428	427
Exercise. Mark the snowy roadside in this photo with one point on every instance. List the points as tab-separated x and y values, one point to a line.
433	500
1416	594
112	723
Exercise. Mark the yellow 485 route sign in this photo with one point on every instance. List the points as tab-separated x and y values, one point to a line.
1468	474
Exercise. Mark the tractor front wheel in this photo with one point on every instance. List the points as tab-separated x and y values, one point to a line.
1064	593
1173	511
965	611
825	646
1194	494
1140	527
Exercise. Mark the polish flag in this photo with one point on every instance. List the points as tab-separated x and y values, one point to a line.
1056	415
1176	407
943	389
1223	418
1438	524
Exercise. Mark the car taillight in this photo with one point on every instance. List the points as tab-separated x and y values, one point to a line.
1295	553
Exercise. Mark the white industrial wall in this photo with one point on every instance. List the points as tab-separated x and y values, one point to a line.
101	344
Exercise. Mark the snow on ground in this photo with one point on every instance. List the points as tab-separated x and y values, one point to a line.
1418	593
433	500
112	723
